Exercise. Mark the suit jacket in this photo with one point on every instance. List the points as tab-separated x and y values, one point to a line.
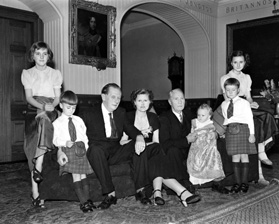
94	121
172	133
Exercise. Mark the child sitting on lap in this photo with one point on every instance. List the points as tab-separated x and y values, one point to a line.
204	162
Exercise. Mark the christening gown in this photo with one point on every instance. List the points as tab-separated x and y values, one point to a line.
204	162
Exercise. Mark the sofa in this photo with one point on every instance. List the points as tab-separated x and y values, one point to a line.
55	187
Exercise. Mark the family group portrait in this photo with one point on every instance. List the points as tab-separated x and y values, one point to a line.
142	112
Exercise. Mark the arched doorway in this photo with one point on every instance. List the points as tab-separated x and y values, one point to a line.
185	28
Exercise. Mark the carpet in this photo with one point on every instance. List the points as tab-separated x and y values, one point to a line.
259	205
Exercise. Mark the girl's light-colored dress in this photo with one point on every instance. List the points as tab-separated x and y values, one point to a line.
204	162
38	123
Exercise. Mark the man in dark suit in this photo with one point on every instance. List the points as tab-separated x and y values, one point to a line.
105	126
176	138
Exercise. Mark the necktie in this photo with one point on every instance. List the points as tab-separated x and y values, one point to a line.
113	127
230	109
72	130
181	118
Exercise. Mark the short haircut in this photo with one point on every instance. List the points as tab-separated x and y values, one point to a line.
206	106
172	91
69	97
39	45
137	92
239	53
231	82
105	89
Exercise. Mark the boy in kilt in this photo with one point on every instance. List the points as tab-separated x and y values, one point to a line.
70	137
240	135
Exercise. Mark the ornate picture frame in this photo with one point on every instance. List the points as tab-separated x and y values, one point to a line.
258	38
92	35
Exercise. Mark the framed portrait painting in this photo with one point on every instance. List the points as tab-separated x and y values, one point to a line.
92	34
260	39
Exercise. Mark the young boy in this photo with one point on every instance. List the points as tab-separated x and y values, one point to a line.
70	137
240	138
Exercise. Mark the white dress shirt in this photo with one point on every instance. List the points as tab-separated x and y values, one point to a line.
61	131
106	120
242	113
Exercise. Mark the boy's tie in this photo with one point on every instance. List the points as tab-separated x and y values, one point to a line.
72	130
230	109
113	127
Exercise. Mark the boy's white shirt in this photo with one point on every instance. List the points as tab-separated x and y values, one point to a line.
61	133
242	113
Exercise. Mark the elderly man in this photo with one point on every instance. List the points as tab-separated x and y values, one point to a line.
105	126
176	137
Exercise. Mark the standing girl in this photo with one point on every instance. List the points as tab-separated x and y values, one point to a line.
240	137
42	86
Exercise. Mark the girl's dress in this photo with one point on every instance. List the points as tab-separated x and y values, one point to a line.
265	124
38	123
204	162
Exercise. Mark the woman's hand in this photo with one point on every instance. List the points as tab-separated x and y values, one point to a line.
254	105
48	107
140	145
146	132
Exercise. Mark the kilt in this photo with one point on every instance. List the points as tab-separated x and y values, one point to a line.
38	132
75	164
238	143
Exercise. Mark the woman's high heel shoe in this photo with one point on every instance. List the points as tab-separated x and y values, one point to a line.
37	202
158	200
190	200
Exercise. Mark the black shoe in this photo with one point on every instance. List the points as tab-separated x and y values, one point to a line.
235	189
220	188
107	202
193	199
85	207
190	200
158	200
141	196
91	204
244	188
36	202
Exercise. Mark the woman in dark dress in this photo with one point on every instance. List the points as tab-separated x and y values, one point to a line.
148	124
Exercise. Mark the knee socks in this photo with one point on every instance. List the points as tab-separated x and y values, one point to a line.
86	189
241	171
80	192
245	172
237	173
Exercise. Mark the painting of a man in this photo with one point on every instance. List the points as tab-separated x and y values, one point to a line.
91	38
